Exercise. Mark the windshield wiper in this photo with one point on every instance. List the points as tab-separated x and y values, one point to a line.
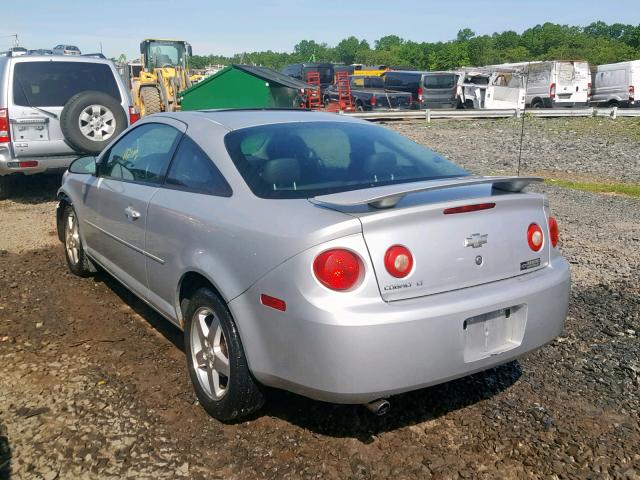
46	112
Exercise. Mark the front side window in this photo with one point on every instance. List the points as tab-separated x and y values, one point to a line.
52	84
193	170
303	160
142	155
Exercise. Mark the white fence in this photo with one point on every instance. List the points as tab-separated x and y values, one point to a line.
429	115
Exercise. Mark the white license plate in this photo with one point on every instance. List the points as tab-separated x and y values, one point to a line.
28	132
494	332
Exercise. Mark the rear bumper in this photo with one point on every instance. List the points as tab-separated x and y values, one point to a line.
10	165
374	350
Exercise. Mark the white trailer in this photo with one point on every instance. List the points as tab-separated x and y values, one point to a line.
558	83
616	84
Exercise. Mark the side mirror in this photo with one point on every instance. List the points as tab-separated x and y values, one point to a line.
84	165
189	51
142	46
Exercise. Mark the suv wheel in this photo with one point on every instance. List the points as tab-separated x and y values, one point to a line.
216	361
90	120
77	259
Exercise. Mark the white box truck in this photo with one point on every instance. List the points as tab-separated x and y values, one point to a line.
558	83
616	84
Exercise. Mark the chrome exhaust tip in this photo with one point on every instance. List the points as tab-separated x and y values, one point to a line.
378	407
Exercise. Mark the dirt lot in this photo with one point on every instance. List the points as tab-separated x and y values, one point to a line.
93	384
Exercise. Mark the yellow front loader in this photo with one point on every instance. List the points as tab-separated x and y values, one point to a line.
163	76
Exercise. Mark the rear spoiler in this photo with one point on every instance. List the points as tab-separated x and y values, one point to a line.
389	195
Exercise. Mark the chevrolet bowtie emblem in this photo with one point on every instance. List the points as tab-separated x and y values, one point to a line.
476	240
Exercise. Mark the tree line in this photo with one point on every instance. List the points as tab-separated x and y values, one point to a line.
598	43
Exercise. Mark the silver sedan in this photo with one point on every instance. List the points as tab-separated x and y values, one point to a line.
315	253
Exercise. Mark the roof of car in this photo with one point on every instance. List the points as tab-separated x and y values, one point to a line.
57	58
242	118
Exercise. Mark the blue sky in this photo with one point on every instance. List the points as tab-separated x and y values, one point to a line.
235	26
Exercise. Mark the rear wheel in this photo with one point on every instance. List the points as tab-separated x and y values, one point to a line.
359	106
216	361
537	104
150	101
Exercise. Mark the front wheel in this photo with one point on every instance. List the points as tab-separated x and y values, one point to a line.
216	361
77	259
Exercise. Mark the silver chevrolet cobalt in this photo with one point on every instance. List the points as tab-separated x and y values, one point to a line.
315	253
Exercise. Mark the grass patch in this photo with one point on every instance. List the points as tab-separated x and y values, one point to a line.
616	188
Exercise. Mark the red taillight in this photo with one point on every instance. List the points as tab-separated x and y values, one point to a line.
374	100
420	91
469	208
5	137
554	231
273	302
535	237
632	94
589	92
28	164
134	116
337	269
552	91
398	261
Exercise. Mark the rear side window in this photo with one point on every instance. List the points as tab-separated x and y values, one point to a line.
439	81
193	170
52	84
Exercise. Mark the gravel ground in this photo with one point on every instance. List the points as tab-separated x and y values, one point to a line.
596	149
94	384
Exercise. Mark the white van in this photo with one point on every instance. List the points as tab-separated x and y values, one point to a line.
492	88
555	83
615	85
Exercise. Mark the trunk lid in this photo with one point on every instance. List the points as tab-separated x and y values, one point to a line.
454	251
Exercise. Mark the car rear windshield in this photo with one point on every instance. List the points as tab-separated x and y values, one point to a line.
439	81
305	159
52	84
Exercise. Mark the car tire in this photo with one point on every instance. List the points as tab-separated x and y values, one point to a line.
359	107
77	261
537	104
216	361
90	120
150	101
5	187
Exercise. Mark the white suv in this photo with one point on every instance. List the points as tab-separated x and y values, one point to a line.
54	109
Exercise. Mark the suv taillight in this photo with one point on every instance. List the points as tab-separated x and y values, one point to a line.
134	116
420	91
5	137
552	91
632	93
589	92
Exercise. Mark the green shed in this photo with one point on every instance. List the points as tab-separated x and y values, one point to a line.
244	86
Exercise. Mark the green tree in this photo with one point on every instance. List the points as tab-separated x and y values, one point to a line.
465	35
387	42
347	50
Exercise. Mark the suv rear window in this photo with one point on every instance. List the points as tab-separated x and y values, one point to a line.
439	81
52	84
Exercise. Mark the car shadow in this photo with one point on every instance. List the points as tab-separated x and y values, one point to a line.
163	326
5	455
34	188
352	421
355	421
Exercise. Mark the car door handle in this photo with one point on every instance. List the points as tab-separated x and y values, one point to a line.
131	213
